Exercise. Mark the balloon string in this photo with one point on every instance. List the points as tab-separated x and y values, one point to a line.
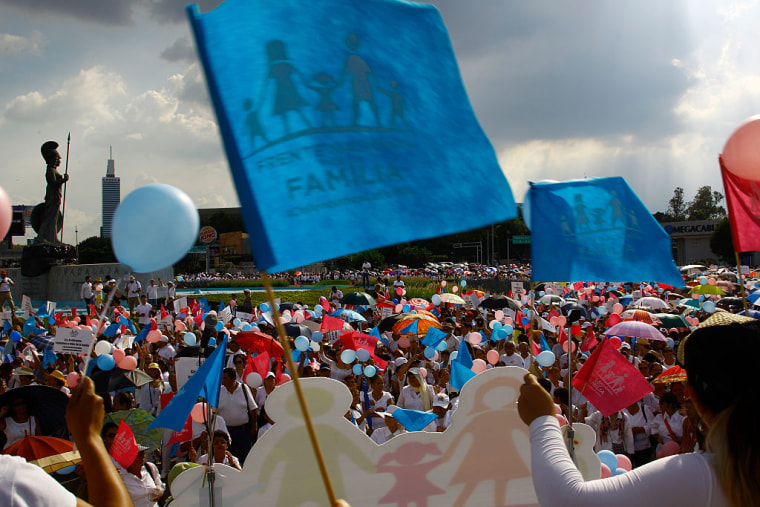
299	393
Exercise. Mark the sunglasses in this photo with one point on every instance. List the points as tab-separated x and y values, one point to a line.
110	435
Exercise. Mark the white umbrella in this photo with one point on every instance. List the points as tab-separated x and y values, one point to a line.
652	302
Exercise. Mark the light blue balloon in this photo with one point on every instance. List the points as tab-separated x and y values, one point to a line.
245	327
302	343
362	355
430	353
609	459
236	322
406	308
453	355
619	471
219	325
212	342
703	280
348	356
508	329
601	310
499	334
546	359
670	342
106	362
497	325
316	336
541	293
442	345
369	371
357	369
528	313
708	306
264	307
66	470
130	235
190	339
463	283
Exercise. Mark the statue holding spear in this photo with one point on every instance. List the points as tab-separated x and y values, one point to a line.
46	217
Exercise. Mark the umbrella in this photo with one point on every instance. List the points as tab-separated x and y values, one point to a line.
635	329
256	342
49	453
478	293
670	321
551	299
418	303
568	307
736	302
43	341
387	323
348	315
707	289
750	313
674	374
652	302
289	306
295	329
138	420
415	324
499	302
358	299
694	303
641	316
45	403
727	275
616	293
452	299
118	379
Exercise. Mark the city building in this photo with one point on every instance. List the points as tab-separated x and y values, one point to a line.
111	196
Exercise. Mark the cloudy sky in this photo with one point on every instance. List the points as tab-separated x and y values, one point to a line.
647	90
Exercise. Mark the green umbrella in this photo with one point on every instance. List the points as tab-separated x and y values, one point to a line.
670	321
707	289
694	303
138	419
358	299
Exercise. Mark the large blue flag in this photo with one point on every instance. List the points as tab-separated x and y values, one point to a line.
205	382
463	354
330	110
413	420
460	375
596	230
433	337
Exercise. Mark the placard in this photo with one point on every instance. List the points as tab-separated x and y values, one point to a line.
72	341
184	367
517	288
179	304
225	315
386	312
26	306
243	316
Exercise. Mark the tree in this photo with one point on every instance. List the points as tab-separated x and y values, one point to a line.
95	250
677	206
722	242
706	205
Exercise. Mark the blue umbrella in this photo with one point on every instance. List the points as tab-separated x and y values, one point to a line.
348	315
751	313
43	341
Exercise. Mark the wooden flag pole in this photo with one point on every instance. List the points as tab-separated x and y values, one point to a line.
299	393
741	282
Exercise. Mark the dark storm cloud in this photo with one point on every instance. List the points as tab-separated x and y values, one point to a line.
182	50
107	12
559	70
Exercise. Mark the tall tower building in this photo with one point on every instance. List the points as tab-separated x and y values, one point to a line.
111	196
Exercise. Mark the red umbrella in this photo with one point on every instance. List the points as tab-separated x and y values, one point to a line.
257	342
49	453
641	316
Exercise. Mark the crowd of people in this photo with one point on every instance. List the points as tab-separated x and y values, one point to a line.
406	374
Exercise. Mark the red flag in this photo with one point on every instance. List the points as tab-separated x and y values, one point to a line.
153	325
562	337
609	381
93	311
124	448
163	312
743	199
347	340
369	343
87	321
331	324
554	313
536	349
73	313
182	436
260	364
258	342
589	341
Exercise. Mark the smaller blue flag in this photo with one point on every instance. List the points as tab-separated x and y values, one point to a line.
411	328
126	322
463	355
460	375
51	320
38	331
7	327
544	344
49	358
110	331
221	306
433	337
413	420
42	312
143	333
203	303
205	382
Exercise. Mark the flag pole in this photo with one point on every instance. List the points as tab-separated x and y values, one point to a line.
741	282
63	209
299	393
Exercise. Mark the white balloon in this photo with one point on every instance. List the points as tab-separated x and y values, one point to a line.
103	347
253	380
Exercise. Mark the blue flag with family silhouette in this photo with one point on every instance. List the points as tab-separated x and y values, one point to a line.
596	230
346	123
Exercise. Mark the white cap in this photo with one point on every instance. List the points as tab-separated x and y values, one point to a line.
441	400
399	361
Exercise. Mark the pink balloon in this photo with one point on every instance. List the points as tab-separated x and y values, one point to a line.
403	342
606	472
399	291
613	319
564	346
554	321
712	281
508	321
740	154
562	420
558	409
398	309
498	315
493	357
118	356
443	283
198	413
616	342
595	299
479	366
77	319
284	378
179	326
669	449
6	213
128	363
617	308
73	379
455	288
562	320
624	462
153	336
423	372
94	322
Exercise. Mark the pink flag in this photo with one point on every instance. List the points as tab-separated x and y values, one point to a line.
609	381
369	342
124	448
743	200
331	323
590	341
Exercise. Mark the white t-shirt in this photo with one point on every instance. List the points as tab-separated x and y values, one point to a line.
382	435
5	284
144	312
86	291
26	485
513	360
143	489
235	406
133	289
152	291
412	400
366	266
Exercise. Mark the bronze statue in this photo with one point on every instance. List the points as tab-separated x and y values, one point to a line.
46	217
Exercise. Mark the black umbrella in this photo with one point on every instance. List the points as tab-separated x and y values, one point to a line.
499	302
358	299
45	403
294	329
387	323
567	308
290	306
730	302
117	379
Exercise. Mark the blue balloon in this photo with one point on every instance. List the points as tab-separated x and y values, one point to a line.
219	325
66	470
106	362
670	342
357	369
15	336
528	313
236	322
395	301
546	359
406	308
316	336
463	283
497	325
525	321
369	371
703	280
619	471
608	458
296	355
130	235
190	339
212	342
348	356
453	355
442	345
708	306
264	307
541	293
245	327
302	343
508	329
362	355
430	353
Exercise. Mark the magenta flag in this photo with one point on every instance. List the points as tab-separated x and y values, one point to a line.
743	199
609	381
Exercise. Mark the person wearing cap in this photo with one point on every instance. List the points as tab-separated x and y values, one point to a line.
148	396
392	427
171	291
133	294
5	292
239	409
56	380
262	392
23	376
441	405
142	480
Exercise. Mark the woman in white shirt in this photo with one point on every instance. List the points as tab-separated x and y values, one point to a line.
417	394
220	444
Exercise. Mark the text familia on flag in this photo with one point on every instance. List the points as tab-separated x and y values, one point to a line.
329	110
596	230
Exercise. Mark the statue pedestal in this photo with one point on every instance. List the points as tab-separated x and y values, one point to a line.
38	259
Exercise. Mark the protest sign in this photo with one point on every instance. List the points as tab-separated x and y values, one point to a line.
244	317
185	367
225	315
72	341
179	304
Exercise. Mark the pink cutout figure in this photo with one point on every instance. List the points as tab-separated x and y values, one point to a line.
412	484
